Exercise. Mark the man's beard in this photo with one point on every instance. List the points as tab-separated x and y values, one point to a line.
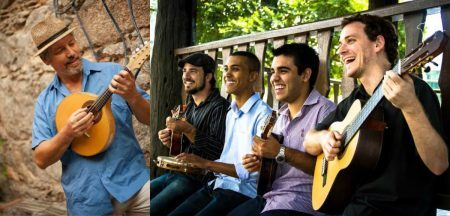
74	71
197	89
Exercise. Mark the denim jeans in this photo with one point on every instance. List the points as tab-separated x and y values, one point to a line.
207	202
170	189
252	207
255	206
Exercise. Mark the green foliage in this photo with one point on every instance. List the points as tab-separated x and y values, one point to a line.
217	19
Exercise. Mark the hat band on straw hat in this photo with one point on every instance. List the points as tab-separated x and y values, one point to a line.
53	37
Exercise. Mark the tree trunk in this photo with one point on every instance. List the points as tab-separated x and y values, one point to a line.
174	29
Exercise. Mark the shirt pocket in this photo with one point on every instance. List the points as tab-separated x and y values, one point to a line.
121	111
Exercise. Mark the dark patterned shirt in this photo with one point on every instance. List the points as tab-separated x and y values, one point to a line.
209	120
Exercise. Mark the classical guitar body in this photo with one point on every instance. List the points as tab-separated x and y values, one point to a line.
334	181
266	175
175	147
99	137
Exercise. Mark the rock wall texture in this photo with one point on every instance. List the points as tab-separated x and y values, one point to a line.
23	77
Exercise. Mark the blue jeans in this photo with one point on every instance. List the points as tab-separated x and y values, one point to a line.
255	206
209	202
170	189
252	207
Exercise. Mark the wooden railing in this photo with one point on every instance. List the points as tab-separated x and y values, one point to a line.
412	14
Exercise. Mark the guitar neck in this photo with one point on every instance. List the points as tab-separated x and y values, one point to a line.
376	97
100	102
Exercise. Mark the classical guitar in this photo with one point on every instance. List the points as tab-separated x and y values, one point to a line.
99	137
334	181
176	138
268	166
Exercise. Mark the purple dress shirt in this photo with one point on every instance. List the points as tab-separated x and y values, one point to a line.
291	189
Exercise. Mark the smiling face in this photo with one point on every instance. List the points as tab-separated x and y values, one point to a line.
237	76
65	57
357	52
194	78
288	85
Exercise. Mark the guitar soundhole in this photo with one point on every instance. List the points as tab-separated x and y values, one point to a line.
97	115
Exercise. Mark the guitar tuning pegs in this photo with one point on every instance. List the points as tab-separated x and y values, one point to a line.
137	49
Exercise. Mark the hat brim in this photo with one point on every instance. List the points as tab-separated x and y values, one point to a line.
54	41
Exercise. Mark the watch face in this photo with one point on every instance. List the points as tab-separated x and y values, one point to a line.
279	158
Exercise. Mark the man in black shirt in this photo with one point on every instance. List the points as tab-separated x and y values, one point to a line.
203	133
413	151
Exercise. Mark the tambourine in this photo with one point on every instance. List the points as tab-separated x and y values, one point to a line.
171	163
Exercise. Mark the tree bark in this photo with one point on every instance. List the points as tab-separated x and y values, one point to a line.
174	29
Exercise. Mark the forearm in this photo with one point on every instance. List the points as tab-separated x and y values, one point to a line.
218	167
301	160
140	108
312	141
190	134
50	151
429	144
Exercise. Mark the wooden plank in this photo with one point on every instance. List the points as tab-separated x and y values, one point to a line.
324	46
301	38
212	53
226	52
443	197
260	52
278	42
243	47
417	5
347	85
414	25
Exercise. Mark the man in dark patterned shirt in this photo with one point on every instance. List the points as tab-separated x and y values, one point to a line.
203	131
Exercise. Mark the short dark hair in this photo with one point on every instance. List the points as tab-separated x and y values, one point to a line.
253	62
374	26
201	60
304	57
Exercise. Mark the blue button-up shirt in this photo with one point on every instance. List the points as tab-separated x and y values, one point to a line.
241	125
291	189
91	182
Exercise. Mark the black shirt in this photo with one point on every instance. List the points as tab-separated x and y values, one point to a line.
401	184
209	120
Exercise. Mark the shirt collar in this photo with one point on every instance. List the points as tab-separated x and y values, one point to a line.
313	98
361	92
88	68
212	96
247	105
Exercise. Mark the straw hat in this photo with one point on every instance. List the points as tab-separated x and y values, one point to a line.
48	32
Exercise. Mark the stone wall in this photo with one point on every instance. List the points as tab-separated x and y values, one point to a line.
23	77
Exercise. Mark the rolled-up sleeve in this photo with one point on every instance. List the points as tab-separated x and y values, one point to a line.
41	130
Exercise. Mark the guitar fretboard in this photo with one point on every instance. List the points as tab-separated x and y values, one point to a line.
353	128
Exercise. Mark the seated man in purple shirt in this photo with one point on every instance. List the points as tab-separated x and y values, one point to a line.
294	71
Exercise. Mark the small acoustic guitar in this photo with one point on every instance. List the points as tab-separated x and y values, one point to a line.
268	166
176	138
100	135
362	131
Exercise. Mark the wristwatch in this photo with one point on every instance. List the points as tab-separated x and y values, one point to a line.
281	157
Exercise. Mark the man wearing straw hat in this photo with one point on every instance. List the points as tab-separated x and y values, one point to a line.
115	181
